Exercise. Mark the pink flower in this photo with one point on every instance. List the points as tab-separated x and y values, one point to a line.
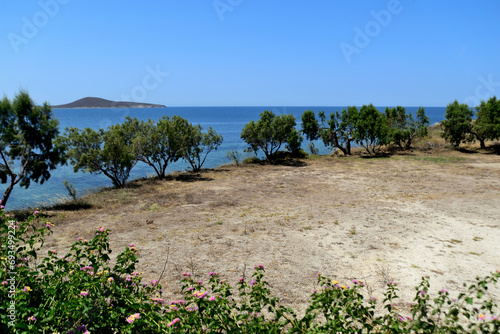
133	317
481	316
444	290
253	283
32	319
154	282
259	267
26	289
36	212
111	279
173	322
213	298
241	279
84	293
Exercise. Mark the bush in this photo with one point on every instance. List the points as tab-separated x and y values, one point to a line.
82	292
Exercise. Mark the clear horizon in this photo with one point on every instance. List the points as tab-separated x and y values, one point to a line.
252	53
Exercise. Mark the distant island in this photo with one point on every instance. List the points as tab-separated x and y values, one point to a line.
96	102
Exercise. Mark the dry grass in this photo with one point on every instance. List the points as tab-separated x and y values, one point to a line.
386	218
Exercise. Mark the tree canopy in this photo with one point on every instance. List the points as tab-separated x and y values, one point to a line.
270	133
102	151
28	149
457	126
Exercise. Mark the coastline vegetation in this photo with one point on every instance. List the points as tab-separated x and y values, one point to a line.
83	291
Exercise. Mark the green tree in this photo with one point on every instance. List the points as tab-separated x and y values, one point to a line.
163	143
371	130
28	149
340	129
104	151
487	124
403	128
457	126
310	125
335	132
198	145
270	132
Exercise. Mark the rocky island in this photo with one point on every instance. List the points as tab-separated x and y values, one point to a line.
95	102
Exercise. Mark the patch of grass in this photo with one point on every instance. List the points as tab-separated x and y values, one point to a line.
441	159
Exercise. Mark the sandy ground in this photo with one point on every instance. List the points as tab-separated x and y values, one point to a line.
377	220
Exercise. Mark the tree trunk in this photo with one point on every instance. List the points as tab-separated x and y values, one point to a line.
7	191
348	146
481	142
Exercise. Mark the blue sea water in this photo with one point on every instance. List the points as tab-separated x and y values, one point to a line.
228	121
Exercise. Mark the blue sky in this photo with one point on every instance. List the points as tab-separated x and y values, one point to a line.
252	52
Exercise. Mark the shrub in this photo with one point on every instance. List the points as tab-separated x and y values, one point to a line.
82	292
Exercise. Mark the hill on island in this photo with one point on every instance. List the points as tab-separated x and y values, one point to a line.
96	102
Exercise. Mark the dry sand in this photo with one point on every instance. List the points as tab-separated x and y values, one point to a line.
377	220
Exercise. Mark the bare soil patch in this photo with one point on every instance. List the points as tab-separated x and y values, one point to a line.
378	220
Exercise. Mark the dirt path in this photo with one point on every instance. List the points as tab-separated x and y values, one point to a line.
378	220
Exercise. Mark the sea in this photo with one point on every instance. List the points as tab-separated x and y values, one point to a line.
227	121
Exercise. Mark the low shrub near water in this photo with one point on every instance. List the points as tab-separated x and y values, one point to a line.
83	292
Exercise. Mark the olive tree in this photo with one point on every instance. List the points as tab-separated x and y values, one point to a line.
270	133
28	148
457	126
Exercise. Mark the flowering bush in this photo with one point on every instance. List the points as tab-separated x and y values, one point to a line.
82	292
